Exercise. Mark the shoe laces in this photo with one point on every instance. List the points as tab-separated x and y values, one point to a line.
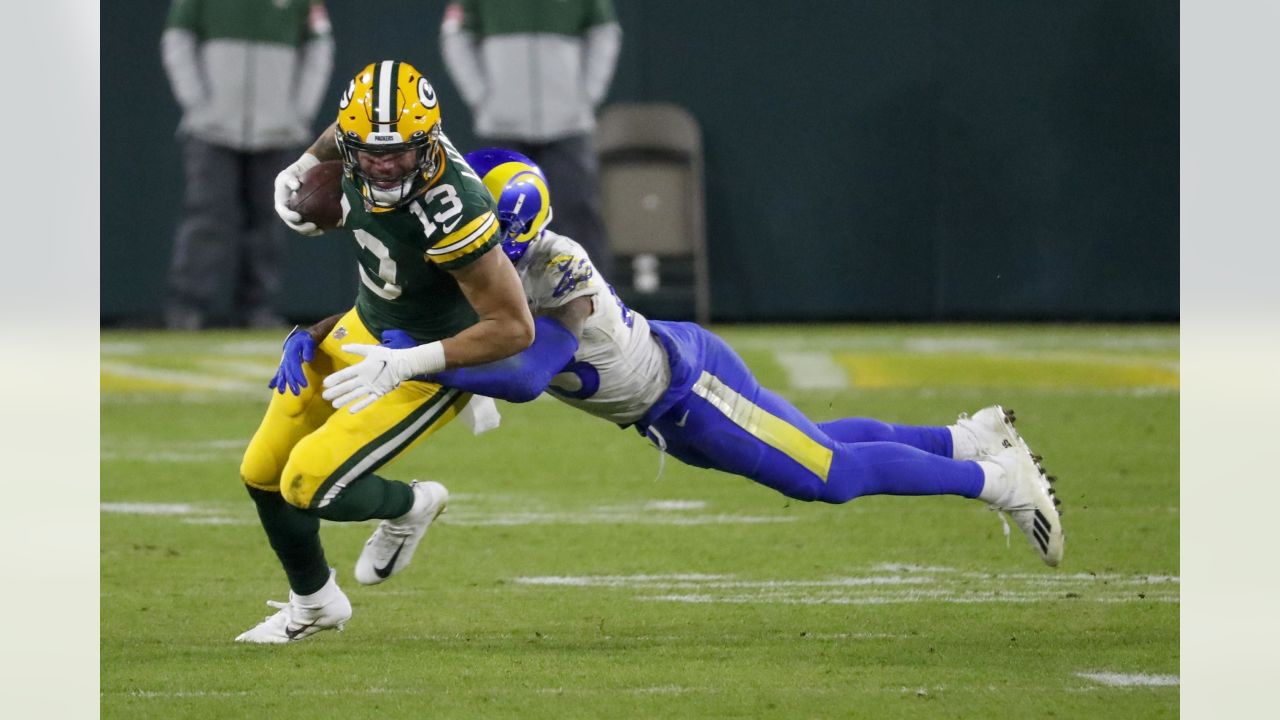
283	612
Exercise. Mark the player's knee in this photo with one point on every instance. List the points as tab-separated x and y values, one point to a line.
259	469
804	486
298	486
308	469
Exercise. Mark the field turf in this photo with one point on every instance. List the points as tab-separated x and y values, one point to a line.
568	580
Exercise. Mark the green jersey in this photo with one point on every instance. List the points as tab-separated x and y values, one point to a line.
405	254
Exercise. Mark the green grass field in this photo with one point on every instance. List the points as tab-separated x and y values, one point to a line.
566	581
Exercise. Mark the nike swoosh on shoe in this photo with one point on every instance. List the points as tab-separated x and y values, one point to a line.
293	633
385	571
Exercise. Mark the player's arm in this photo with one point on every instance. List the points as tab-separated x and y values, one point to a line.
493	288
505	327
320	330
290	179
325	147
526	375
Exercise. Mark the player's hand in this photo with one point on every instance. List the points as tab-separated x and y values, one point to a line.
397	339
381	371
289	180
299	347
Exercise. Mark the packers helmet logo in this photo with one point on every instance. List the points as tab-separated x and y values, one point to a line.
346	96
426	93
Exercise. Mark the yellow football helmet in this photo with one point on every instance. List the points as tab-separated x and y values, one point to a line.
388	111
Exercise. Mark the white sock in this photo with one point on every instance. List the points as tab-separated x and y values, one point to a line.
995	483
964	445
321	596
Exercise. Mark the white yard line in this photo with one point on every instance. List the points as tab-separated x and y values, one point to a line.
1115	679
946	585
129	508
589	517
178	377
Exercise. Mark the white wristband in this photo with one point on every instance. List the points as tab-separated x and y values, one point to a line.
306	162
425	359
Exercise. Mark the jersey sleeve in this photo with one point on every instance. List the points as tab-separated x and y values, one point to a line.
466	243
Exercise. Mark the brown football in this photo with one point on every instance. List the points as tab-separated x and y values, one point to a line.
319	198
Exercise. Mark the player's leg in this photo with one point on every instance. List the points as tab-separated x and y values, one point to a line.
293	534
931	439
315	602
331	473
978	437
205	243
732	423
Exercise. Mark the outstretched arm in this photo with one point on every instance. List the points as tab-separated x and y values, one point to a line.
521	377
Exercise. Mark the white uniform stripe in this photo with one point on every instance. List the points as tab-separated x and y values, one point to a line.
392	446
466	240
386	88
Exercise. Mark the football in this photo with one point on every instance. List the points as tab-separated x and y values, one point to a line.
319	198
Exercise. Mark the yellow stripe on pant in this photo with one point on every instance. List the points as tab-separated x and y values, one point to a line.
309	452
769	428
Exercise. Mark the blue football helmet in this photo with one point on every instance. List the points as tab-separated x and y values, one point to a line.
520	189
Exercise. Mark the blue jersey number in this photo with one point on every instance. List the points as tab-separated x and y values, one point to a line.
588	381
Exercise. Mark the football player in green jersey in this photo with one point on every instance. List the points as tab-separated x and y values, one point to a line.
429	263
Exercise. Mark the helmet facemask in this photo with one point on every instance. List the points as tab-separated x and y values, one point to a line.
385	190
523	213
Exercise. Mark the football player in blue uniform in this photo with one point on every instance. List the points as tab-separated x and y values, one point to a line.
691	395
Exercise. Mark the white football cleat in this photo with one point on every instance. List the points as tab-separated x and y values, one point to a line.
991	430
390	548
297	620
1031	502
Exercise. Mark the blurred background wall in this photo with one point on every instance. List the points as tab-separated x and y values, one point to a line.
922	160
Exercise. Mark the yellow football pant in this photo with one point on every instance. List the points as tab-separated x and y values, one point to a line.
309	452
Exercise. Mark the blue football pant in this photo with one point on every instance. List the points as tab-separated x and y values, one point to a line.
730	423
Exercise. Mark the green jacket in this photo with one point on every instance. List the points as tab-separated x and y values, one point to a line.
249	74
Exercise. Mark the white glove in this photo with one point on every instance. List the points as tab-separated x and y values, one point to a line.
381	371
289	180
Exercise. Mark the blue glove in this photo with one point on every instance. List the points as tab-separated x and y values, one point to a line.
397	340
298	348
